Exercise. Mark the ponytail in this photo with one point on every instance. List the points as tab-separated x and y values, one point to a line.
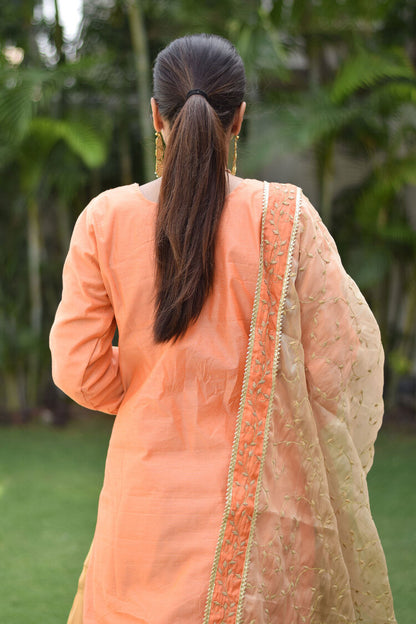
191	200
193	188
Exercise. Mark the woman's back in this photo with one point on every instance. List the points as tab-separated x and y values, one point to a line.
175	424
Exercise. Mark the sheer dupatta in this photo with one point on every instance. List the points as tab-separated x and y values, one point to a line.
298	543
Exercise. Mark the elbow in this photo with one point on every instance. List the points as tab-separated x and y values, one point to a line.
58	375
64	379
66	373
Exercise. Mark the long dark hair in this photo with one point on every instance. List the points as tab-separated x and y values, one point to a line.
193	187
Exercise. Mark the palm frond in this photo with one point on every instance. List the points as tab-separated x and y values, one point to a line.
402	235
260	46
22	91
381	189
78	135
16	110
368	264
398	173
366	70
314	118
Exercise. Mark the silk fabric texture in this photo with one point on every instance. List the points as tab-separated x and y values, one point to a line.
235	482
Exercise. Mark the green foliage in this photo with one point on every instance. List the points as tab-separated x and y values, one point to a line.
400	364
393	501
369	264
15	20
31	128
260	45
367	69
49	485
80	137
16	108
324	78
314	118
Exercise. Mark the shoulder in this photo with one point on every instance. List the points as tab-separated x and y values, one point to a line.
285	196
113	206
309	220
281	194
312	235
312	229
114	199
277	192
286	193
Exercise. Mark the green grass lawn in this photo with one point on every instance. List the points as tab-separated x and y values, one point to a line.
49	486
391	483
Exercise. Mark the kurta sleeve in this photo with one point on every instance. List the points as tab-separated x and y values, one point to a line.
341	339
85	365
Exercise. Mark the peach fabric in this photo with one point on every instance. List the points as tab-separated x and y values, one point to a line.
309	552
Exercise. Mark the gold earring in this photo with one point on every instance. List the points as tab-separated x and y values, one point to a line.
234	167
159	154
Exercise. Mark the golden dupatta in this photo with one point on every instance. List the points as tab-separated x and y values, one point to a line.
298	543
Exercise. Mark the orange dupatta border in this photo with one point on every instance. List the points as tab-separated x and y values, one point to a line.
232	557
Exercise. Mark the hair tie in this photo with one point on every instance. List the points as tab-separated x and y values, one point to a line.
196	92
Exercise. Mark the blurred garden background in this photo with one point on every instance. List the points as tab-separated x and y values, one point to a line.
331	106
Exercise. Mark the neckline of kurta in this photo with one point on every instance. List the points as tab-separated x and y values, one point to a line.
240	185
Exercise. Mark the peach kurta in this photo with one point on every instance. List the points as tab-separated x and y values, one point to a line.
234	488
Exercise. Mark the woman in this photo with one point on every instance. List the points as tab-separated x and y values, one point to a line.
246	384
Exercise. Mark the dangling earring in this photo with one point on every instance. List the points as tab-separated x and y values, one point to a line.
159	154
234	167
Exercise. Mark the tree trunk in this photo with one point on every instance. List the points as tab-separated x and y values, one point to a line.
126	165
324	162
34	259
63	224
141	56
34	255
12	391
58	35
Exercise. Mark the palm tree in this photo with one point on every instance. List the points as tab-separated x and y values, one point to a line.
29	140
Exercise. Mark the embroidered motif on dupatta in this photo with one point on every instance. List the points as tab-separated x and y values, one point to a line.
229	573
